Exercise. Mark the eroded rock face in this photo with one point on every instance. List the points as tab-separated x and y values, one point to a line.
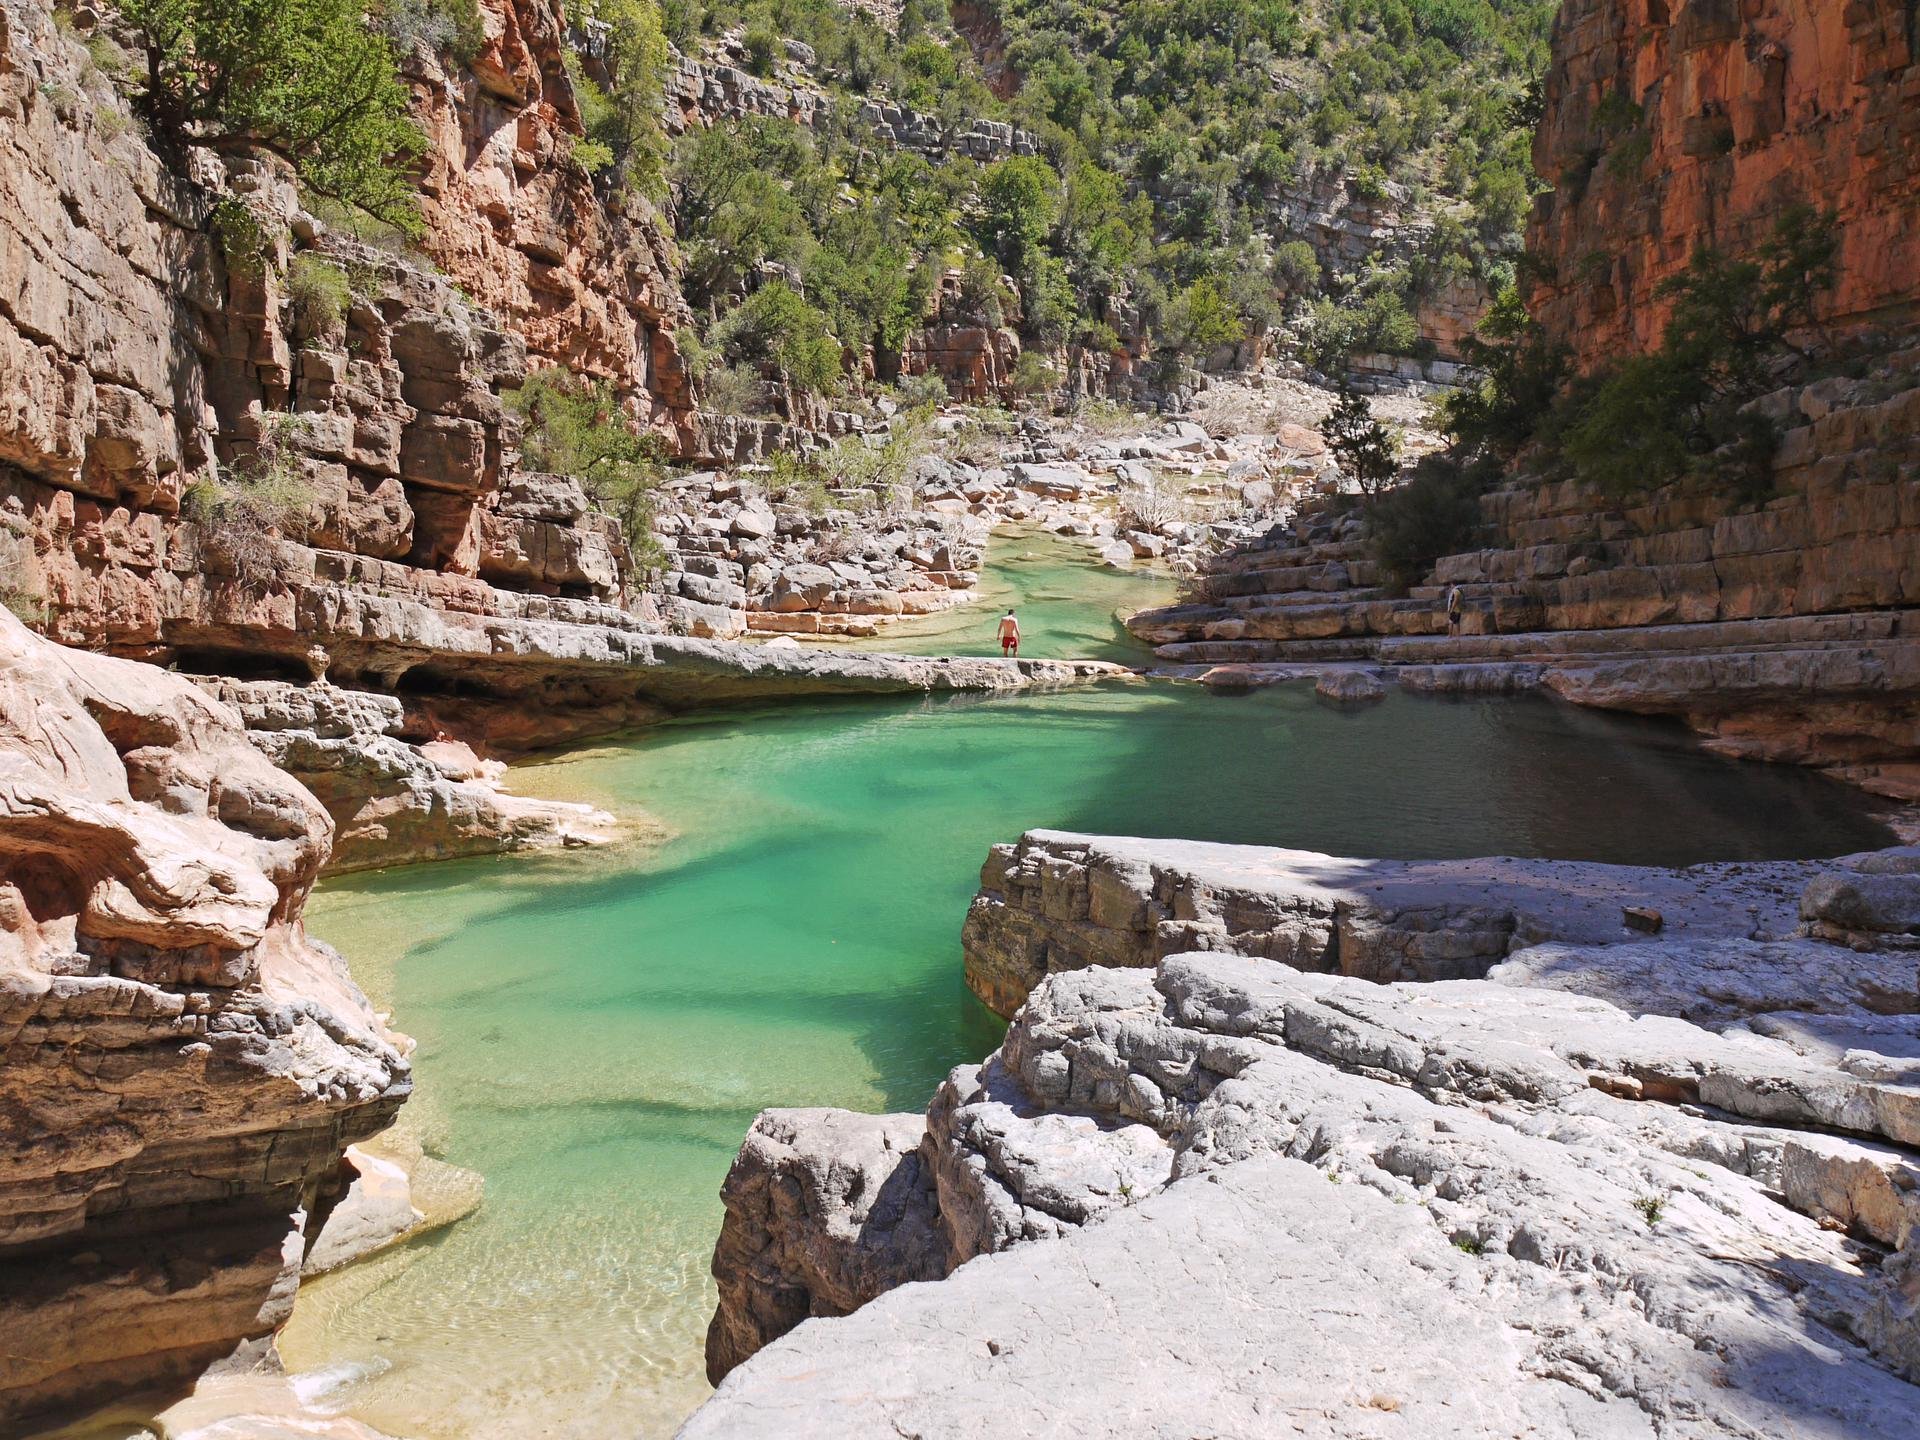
825	1210
1056	901
578	274
1544	1205
395	797
181	1067
1676	124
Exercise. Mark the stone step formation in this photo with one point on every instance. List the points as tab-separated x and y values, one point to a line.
1782	632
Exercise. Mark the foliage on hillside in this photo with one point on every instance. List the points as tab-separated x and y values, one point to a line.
1168	138
1217	108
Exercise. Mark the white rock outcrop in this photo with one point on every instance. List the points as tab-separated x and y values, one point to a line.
1213	1193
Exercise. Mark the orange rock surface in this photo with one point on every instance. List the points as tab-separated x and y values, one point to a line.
1745	108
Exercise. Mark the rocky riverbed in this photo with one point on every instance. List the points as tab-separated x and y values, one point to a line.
749	555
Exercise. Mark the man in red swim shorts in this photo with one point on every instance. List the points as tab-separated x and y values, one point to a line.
1009	635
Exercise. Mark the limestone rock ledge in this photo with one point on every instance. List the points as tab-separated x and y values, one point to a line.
1270	1201
397	798
181	1067
1058	901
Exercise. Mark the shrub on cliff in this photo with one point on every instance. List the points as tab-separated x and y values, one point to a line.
1736	331
776	326
452	27
1435	513
621	116
575	426
242	510
319	293
308	80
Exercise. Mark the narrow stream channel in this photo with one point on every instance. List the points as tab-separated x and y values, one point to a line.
597	1031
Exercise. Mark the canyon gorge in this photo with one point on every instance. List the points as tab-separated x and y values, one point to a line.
794	1032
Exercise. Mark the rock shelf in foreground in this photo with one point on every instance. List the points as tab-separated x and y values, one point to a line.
181	1067
1215	1193
1057	901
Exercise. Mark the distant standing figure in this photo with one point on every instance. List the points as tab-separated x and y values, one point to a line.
1009	635
1453	610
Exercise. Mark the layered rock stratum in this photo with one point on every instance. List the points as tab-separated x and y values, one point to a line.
181	1066
1781	630
1676	124
1618	1185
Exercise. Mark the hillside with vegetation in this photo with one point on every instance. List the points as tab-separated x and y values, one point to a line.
1174	148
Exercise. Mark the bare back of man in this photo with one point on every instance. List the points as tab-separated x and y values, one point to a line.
1009	635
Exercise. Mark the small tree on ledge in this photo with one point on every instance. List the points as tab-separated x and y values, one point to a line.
308	80
1367	450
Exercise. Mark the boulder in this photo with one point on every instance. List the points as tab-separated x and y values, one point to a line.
1350	686
752	522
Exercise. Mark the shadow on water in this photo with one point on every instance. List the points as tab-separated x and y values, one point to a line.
1443	777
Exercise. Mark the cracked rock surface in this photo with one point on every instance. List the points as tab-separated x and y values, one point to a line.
1209	1193
181	1067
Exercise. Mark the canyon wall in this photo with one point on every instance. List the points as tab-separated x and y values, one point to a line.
1208	1183
582	275
1676	124
1779	630
1777	622
151	349
181	1067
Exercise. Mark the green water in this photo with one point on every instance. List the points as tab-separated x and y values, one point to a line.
1066	606
596	1031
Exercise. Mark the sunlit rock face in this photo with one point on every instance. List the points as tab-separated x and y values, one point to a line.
583	277
1742	110
181	1068
1246	1182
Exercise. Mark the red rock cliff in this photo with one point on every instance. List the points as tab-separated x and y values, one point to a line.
579	274
1744	107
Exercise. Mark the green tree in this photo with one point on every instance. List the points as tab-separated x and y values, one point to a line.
1019	201
1682	409
1521	374
624	115
1367	450
1199	319
775	325
308	80
575	426
1434	513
